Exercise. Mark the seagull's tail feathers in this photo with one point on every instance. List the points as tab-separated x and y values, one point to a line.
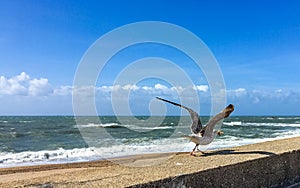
186	136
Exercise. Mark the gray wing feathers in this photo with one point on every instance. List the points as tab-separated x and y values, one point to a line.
214	120
196	123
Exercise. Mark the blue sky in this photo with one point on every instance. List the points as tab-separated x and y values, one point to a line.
256	44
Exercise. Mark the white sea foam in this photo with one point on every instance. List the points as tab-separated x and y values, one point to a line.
287	134
289	118
139	147
87	154
147	128
89	125
47	157
116	125
233	123
273	124
24	121
282	118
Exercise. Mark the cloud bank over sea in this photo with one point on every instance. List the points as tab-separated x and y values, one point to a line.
26	91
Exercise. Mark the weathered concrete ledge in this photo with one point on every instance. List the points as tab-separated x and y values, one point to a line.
280	170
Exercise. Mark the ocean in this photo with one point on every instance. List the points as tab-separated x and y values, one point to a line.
33	140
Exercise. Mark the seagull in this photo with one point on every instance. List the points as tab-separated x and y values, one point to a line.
203	135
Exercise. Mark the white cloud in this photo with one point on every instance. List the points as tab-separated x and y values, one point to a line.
105	88
156	89
23	85
203	88
39	87
63	90
177	88
161	87
263	96
260	101
237	92
146	88
130	87
22	77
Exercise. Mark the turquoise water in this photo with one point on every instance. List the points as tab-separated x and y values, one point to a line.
26	140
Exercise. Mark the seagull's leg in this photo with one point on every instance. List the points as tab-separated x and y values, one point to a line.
193	152
201	151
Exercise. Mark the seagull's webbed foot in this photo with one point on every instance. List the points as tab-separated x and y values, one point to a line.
193	153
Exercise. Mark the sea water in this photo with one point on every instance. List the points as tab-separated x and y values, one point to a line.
32	140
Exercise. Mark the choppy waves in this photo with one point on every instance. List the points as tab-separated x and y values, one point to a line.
60	155
239	123
126	139
232	123
116	125
106	125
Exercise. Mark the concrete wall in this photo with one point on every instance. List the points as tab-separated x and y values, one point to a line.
273	171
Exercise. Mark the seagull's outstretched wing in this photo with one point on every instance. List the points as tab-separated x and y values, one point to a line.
208	129
196	125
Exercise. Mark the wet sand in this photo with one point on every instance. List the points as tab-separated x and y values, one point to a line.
159	168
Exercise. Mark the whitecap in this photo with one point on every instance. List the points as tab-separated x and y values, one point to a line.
137	127
232	123
9	159
273	124
89	125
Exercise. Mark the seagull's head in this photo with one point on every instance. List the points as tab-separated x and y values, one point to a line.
228	110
